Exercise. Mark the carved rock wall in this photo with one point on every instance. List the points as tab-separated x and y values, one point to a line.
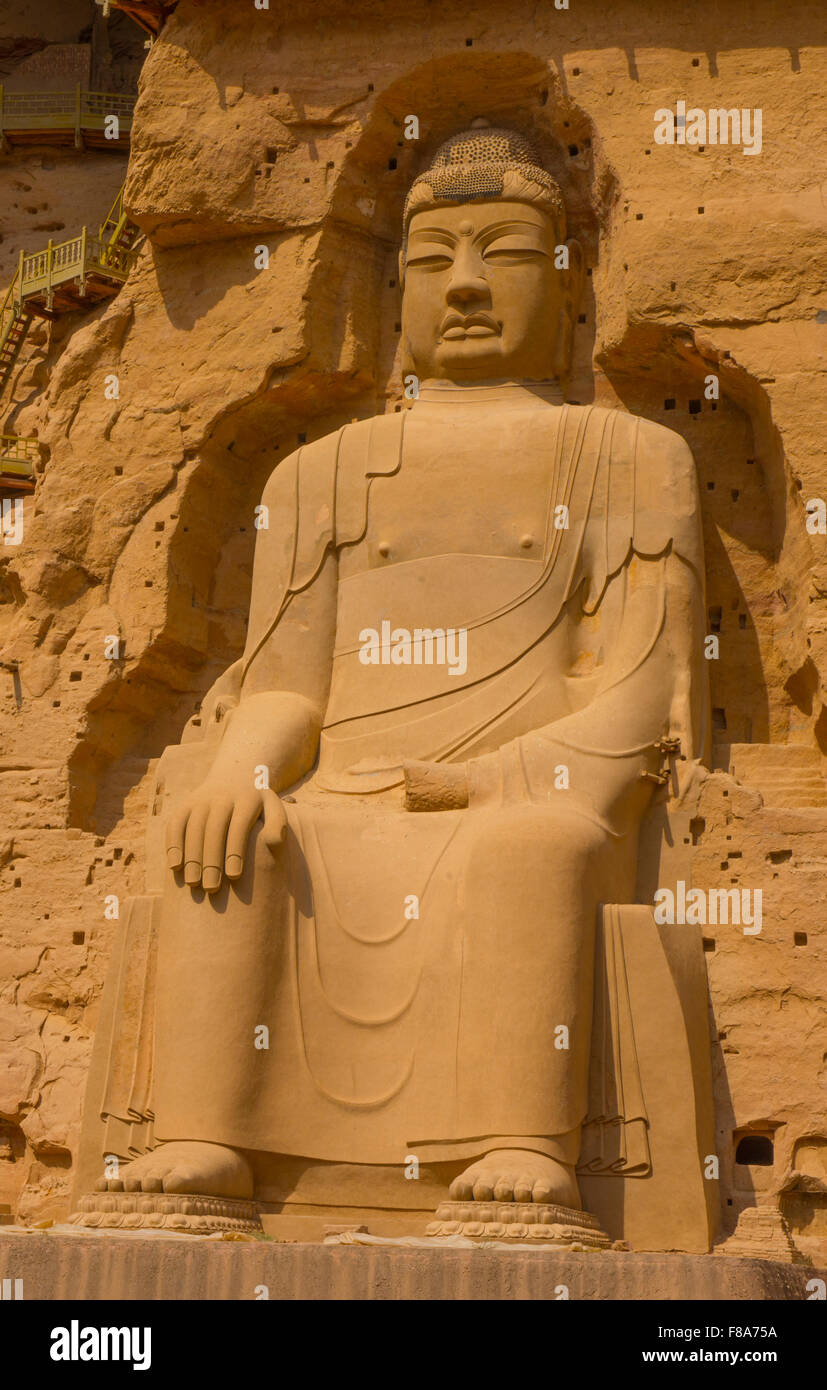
285	129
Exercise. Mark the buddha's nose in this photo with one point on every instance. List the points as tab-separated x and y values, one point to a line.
469	291
467	283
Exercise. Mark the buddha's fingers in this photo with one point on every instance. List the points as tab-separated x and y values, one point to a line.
275	821
176	828
194	841
246	812
215	836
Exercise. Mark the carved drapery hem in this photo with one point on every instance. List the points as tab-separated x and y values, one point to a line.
615	1132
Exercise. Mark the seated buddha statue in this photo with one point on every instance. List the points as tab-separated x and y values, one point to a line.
475	625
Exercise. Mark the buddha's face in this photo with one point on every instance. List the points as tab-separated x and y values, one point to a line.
483	300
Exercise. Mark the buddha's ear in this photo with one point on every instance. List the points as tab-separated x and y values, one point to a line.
401	265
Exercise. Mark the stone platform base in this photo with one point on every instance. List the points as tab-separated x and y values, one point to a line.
76	1264
192	1215
535	1222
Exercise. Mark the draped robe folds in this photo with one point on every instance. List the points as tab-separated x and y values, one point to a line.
413	971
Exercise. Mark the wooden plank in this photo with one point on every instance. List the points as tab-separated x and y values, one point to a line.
9	484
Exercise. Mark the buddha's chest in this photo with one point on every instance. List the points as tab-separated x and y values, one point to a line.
484	489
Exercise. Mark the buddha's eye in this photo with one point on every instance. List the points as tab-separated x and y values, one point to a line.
511	251
430	260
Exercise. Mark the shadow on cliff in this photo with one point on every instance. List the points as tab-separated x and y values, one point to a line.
194	279
755	541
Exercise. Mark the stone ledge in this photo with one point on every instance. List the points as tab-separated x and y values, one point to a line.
57	1265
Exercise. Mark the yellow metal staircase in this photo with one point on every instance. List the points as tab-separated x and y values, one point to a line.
14	323
71	275
116	231
65	276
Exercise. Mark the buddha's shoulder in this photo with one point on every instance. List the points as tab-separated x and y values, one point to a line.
631	431
360	445
645	474
660	459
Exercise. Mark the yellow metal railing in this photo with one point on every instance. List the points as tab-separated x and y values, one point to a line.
40	273
115	220
118	234
17	455
10	309
76	110
110	255
18	448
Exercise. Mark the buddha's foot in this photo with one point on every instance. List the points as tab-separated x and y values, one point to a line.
518	1195
185	1166
517	1175
188	1187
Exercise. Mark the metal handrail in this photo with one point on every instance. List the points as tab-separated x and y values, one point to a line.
107	103
63	103
18	448
10	304
115	218
38	103
111	254
78	110
81	253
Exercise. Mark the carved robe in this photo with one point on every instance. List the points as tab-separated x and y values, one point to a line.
425	980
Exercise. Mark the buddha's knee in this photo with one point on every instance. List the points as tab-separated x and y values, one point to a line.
538	834
527	864
532	882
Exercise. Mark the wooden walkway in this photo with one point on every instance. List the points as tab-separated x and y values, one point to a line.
79	118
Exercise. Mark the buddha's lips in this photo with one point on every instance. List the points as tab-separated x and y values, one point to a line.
470	326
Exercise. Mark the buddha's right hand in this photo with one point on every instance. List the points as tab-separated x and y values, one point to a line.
207	831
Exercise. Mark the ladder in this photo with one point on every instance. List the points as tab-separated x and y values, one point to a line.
14	324
116	232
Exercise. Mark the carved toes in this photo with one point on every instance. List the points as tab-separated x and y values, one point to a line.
183	1180
495	1180
523	1188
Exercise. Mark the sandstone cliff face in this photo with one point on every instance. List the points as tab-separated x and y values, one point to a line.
285	130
